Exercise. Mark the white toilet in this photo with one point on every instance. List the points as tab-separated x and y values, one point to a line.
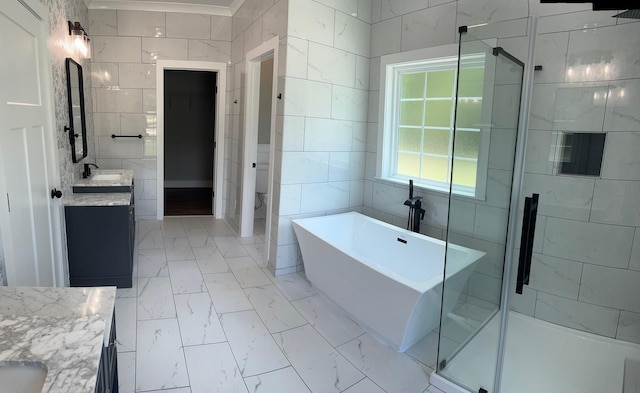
262	186
262	175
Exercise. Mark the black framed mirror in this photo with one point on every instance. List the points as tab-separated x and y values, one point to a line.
77	128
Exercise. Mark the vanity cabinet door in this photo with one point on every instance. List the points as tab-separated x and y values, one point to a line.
107	381
100	245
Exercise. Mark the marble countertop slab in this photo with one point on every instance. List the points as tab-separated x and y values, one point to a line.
126	180
62	328
69	348
98	199
59	302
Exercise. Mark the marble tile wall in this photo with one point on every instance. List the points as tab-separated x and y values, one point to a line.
586	265
126	46
322	131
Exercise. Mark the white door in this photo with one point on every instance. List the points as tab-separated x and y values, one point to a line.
26	153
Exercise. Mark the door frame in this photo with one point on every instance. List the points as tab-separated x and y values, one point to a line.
60	267
254	59
218	150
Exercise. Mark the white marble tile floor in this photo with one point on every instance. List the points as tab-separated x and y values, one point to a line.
206	316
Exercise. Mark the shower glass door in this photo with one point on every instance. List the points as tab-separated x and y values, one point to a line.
576	326
484	143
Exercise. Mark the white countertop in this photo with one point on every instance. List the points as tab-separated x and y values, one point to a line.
63	328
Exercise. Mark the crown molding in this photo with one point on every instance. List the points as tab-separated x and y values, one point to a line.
161	6
235	5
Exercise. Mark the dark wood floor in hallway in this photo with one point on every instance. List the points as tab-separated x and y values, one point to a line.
187	201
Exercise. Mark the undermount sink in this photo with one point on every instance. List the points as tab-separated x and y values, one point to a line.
107	176
22	377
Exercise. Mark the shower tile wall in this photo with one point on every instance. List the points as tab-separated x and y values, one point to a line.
586	263
322	134
126	45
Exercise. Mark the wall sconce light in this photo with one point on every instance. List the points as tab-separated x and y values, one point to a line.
79	40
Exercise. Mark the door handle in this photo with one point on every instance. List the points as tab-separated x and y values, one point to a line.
56	193
526	241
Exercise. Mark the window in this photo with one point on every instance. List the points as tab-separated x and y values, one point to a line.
418	114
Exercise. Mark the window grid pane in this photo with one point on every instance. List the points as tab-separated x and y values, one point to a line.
425	128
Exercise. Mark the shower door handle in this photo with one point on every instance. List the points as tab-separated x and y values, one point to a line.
526	241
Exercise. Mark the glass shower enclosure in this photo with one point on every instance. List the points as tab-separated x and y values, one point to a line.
554	304
486	126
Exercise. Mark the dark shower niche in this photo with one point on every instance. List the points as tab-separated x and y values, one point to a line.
582	153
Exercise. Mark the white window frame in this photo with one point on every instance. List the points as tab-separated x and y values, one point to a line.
390	68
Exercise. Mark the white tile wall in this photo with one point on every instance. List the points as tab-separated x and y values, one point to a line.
386	37
349	104
312	21
392	8
551	54
597	287
154	49
321	197
621	62
137	75
577	315
429	27
620	159
351	34
307	98
195	26
568	107
346	166
103	22
634	264
331	65
629	327
305	167
104	74
472	12
556	276
141	23
605	245
220	28
116	49
623	98
561	196
616	202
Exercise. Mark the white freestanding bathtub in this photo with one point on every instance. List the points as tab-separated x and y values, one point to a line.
387	278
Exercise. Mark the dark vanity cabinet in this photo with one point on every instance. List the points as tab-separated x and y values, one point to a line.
100	239
107	380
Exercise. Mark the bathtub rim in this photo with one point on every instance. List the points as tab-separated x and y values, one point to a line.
420	286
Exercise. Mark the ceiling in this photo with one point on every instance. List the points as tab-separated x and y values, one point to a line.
213	7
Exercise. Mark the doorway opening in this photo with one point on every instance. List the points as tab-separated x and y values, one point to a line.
189	124
264	147
189	161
